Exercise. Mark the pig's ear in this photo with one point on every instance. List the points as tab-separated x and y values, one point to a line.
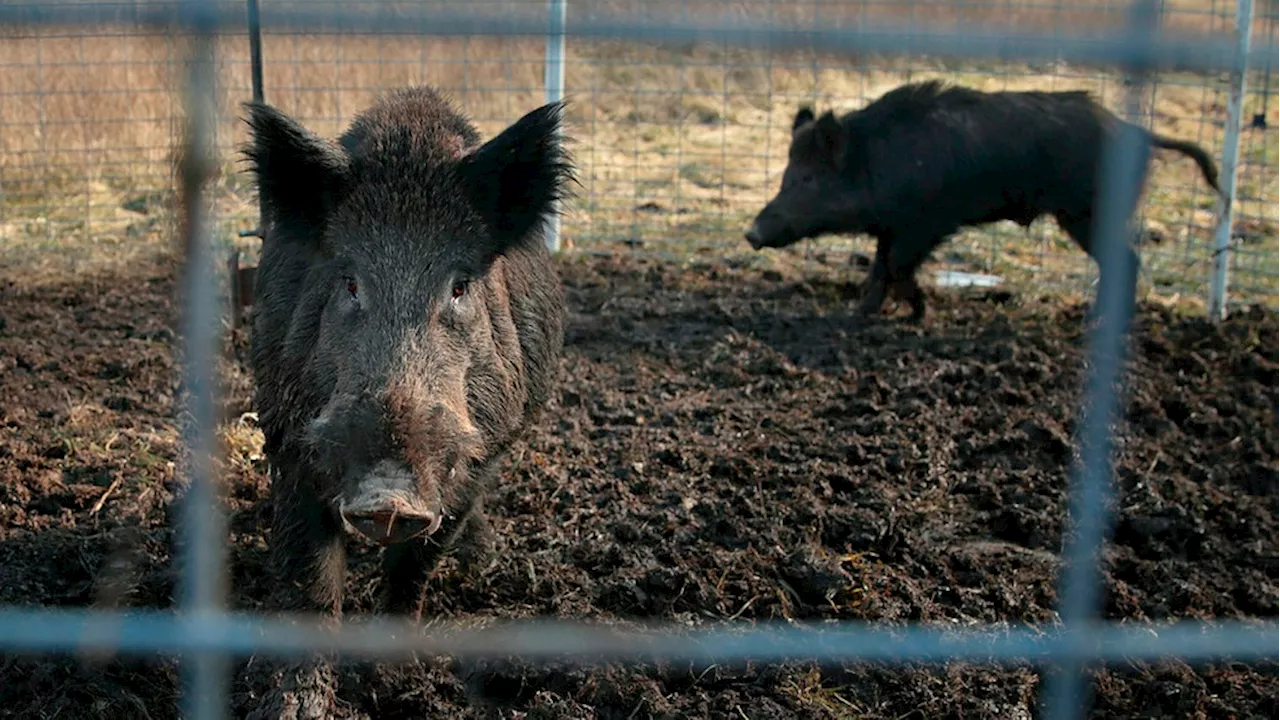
516	179
829	137
299	174
804	116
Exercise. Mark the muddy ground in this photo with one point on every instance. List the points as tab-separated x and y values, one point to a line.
726	443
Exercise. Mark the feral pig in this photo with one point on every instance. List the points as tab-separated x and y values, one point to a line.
408	323
926	159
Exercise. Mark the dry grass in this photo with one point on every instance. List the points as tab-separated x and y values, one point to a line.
678	147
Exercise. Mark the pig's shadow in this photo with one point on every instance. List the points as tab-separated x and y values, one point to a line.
814	329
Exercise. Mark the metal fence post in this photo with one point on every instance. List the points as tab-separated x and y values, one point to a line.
255	48
242	278
1230	158
554	78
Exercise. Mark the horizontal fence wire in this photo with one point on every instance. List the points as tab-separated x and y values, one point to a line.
241	634
1188	53
201	631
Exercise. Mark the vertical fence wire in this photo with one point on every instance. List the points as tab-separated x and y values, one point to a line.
1252	274
202	591
1121	171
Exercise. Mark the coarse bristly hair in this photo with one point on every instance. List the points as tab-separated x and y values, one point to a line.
407	326
410	144
926	159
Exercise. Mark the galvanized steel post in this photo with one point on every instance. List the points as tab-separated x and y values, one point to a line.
554	78
1230	158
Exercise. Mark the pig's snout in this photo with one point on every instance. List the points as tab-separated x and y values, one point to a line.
767	230
388	509
390	527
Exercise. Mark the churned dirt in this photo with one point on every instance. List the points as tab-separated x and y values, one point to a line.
726	443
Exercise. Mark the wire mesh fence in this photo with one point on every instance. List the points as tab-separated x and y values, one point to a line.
680	141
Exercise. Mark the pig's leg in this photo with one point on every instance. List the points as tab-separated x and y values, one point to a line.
309	559
911	291
303	691
406	567
307	550
908	255
876	286
475	547
1080	228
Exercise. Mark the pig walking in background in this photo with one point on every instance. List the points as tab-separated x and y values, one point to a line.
408	324
925	159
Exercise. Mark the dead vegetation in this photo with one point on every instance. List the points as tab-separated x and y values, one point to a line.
725	445
679	146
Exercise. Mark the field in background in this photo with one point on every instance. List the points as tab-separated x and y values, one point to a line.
678	146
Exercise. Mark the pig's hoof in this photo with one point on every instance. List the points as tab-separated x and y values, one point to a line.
868	308
865	318
294	705
304	693
476	554
311	704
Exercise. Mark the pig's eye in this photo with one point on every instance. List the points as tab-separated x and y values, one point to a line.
459	289
352	287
